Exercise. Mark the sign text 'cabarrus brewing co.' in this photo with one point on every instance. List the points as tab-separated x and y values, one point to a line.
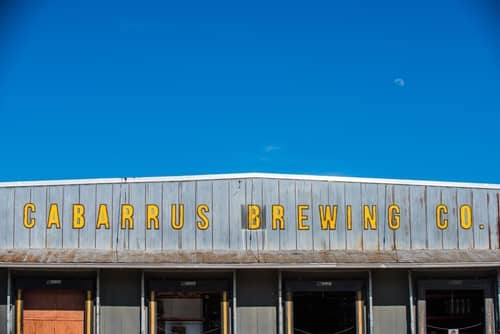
253	216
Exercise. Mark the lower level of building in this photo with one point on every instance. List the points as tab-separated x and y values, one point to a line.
249	301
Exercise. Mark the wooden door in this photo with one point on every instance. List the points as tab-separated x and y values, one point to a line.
54	311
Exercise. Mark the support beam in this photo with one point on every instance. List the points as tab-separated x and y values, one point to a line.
88	312
280	303
359	312
489	309
421	317
411	307
152	313
225	313
19	311
289	313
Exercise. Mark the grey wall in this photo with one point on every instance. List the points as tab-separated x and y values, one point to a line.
257	301
3	301
390	302
120	301
227	201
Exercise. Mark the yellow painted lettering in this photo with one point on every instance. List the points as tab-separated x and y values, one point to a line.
370	216
28	221
177	225
349	217
466	216
78	216
201	210
278	213
152	213
393	215
127	217
53	217
102	217
254	220
328	216
302	217
441	222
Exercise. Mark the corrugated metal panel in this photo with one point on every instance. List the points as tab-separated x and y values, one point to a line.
368	216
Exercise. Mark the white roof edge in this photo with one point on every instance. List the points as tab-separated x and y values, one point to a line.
299	177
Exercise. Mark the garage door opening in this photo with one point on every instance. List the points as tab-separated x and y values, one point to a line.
324	312
455	309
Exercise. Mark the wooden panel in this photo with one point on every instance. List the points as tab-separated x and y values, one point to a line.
70	236
480	214
187	197
418	219
54	234
450	234
237	190
321	238
38	233
171	238
204	238
434	235
137	235
87	233
104	236
270	196
221	225
480	225
288	237
154	197
303	198
7	217
403	234
336	195
369	197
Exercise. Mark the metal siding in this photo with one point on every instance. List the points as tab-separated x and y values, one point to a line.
388	241
494	218
270	196
418	217
170	237
153	236
70	235
38	233
303	197
120	236
353	198
220	222
236	203
434	235
54	234
87	233
187	197
288	237
369	196
137	198
104	195
319	193
450	235
466	237
403	234
7	217
338	237
204	238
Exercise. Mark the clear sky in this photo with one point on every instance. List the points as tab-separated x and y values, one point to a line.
392	89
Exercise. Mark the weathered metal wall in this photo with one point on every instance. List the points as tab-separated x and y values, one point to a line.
368	216
120	301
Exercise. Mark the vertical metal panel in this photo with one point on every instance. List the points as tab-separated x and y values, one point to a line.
434	235
204	238
187	197
270	196
480	224
88	232
255	237
319	193
38	233
418	218
303	197
403	234
221	225
369	197
153	236
288	237
479	211
120	236
7	217
353	198
54	234
494	218
104	195
170	237
450	234
336	195
236	202
388	240
137	198
70	235
383	215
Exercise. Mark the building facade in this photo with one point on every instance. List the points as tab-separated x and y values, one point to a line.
249	253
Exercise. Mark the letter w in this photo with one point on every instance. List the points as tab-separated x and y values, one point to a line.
328	216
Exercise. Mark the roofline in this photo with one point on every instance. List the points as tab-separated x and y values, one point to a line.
207	177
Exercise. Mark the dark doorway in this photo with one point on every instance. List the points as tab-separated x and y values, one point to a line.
324	312
455	309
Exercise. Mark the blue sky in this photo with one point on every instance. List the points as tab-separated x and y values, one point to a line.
391	89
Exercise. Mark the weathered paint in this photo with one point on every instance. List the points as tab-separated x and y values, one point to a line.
212	215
